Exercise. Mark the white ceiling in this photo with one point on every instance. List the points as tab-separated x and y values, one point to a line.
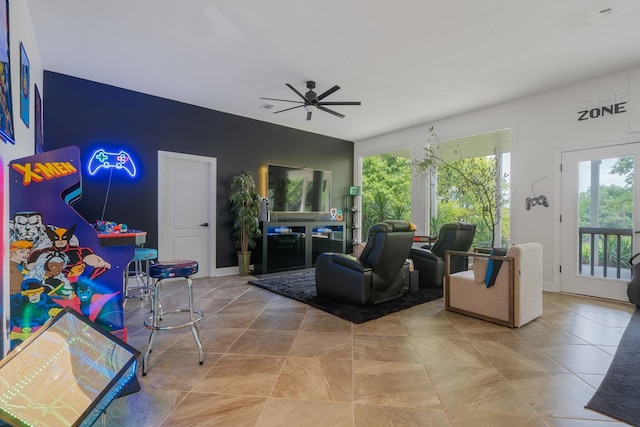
407	61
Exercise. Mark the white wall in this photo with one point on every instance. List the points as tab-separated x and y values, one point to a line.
20	30
542	127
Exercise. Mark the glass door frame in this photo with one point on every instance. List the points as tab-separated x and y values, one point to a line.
571	280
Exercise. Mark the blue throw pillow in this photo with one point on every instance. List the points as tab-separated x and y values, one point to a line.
493	266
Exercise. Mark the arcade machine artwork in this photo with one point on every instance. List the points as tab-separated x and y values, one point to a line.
56	257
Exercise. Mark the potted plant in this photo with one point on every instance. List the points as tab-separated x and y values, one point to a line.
245	208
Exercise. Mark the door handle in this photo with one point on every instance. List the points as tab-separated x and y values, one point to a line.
204	224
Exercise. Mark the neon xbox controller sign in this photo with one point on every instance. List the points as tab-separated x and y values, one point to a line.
102	160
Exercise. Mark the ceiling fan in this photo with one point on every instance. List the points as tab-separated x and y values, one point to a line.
312	101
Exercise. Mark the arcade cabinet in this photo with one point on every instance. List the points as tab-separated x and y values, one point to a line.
57	259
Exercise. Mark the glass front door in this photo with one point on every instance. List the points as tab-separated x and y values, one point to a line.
598	221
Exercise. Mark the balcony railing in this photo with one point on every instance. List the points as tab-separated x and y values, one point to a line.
599	239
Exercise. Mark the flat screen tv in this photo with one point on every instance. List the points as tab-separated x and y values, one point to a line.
293	189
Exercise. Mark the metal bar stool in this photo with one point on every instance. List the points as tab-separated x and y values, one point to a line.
142	256
167	270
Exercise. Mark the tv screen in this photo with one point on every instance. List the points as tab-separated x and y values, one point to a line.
293	189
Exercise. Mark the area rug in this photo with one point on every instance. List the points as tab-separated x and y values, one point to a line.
302	287
618	394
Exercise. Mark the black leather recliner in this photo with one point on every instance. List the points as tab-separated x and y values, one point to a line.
454	236
380	274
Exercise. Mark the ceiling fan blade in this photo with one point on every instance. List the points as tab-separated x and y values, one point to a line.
340	103
296	91
308	115
328	92
287	109
284	100
320	107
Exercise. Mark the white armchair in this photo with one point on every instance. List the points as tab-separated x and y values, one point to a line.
514	299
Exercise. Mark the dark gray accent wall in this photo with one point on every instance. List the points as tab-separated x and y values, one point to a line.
92	115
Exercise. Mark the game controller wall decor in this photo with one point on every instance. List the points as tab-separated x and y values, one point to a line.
537	200
105	160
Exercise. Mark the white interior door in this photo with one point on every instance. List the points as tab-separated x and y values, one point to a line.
186	209
599	225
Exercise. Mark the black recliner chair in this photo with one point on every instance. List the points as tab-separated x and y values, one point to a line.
380	274
454	236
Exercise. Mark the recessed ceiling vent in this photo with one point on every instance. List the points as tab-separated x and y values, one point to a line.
266	106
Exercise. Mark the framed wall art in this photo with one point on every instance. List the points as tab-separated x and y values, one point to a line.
25	85
37	101
6	107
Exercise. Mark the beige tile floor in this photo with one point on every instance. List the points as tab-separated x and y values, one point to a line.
272	361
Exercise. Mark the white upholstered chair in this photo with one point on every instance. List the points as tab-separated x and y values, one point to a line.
514	299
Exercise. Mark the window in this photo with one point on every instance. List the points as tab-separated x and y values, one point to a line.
469	181
386	188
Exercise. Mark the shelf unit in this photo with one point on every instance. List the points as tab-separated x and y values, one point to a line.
351	217
291	245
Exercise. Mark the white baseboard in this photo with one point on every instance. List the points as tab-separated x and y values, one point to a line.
226	271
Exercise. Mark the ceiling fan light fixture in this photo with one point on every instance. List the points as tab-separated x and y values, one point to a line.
312	102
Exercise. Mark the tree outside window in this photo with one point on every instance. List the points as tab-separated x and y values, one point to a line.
386	189
470	180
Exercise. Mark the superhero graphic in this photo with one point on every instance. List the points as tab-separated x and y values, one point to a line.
79	258
18	255
48	270
28	226
103	308
30	310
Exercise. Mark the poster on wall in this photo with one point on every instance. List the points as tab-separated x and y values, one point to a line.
25	85
39	143
6	107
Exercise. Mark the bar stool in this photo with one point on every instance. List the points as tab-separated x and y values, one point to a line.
167	270
141	255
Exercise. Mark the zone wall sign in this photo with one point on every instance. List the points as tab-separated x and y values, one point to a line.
615	103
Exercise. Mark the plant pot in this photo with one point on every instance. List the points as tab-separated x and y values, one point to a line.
244	261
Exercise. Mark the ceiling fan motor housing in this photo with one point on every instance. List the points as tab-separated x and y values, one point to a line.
312	97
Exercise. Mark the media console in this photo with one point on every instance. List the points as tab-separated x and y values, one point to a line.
290	245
